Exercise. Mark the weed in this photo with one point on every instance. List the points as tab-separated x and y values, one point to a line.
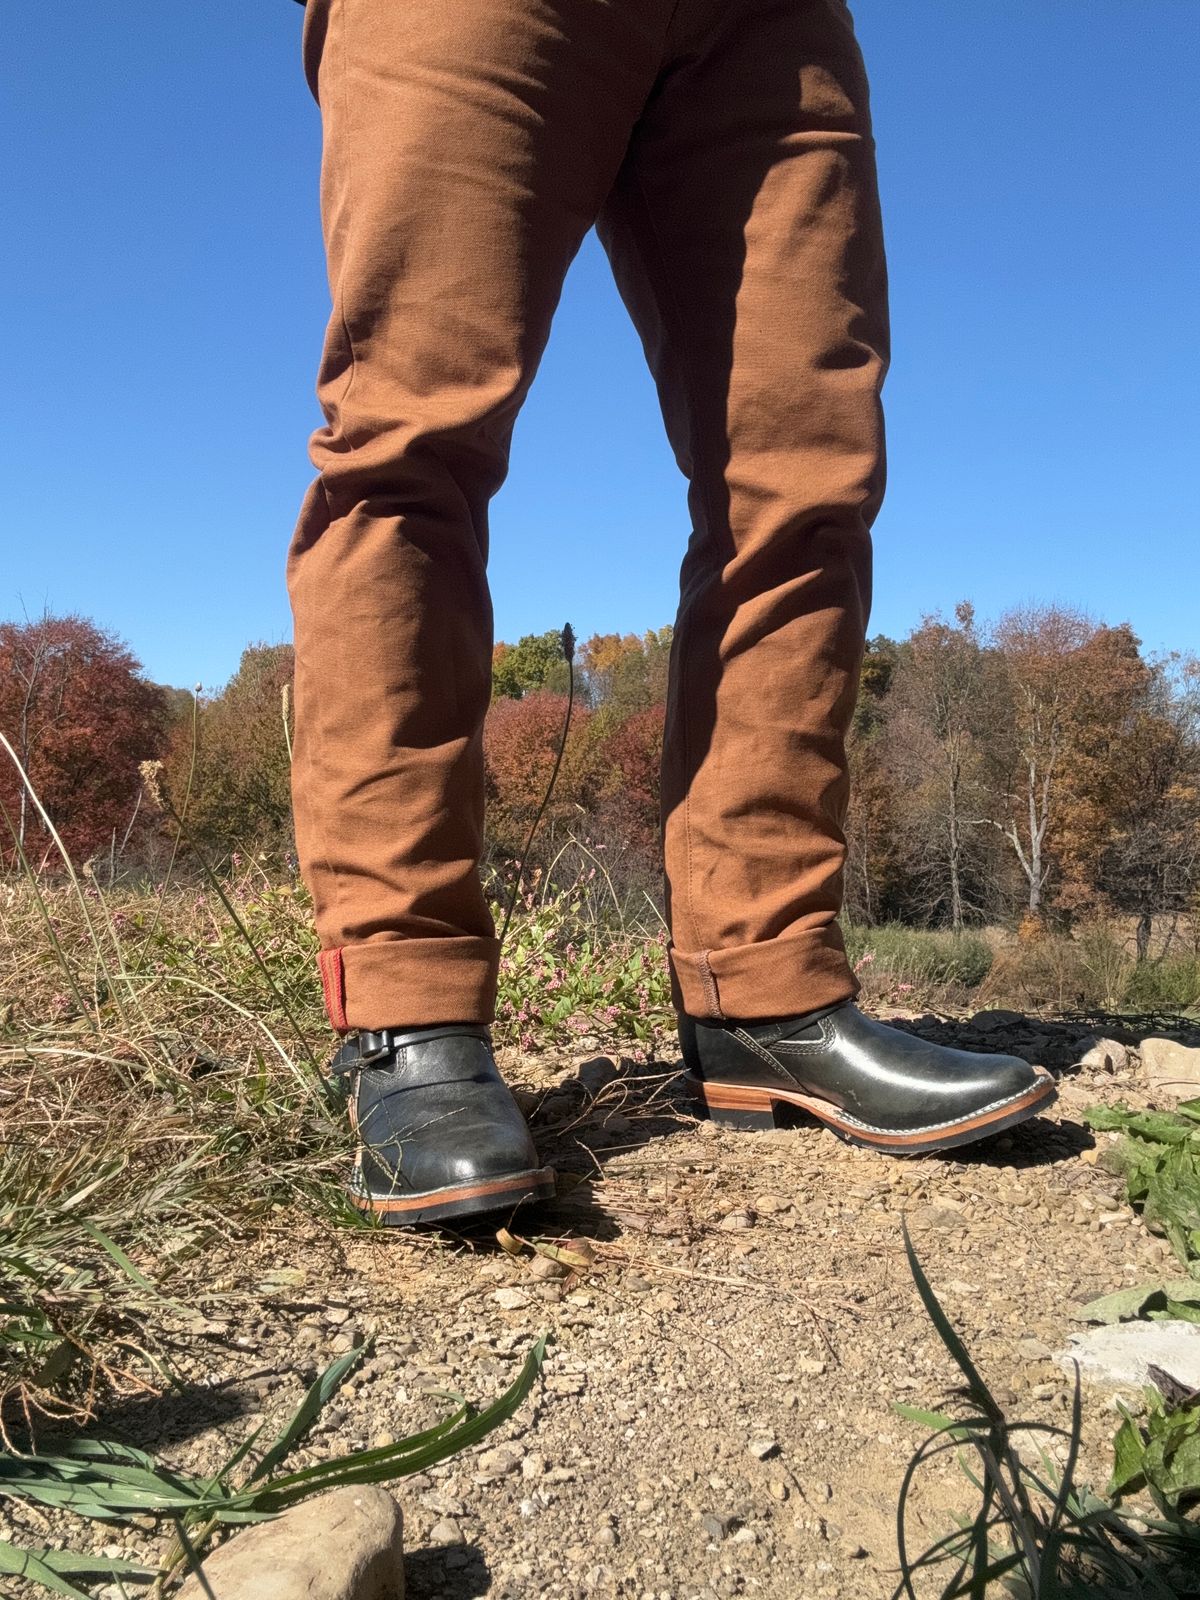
1159	1158
1037	1533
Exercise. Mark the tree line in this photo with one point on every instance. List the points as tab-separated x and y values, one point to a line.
1042	766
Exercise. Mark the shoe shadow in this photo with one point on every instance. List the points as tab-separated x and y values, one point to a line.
447	1572
609	1107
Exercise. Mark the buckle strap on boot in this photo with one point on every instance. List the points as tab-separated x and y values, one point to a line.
369	1046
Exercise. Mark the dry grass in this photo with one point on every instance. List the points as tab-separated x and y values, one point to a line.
154	1094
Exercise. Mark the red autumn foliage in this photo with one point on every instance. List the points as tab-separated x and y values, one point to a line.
629	757
80	717
520	740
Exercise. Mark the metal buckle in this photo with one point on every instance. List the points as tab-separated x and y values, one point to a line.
374	1046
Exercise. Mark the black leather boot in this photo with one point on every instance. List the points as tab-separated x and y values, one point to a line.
440	1136
874	1085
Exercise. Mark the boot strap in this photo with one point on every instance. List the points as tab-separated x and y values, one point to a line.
369	1045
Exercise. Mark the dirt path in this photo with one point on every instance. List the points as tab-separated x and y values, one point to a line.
716	1415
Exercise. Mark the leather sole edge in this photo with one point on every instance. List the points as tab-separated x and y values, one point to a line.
458	1200
754	1107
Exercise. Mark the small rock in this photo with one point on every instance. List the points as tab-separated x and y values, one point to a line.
1106	1055
445	1532
1172	1069
812	1366
345	1545
771	1204
716	1526
778	1490
745	1536
497	1463
594	1075
763	1449
533	1465
1034	1350
511	1299
546	1268
736	1222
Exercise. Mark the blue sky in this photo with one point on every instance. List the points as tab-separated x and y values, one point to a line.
165	291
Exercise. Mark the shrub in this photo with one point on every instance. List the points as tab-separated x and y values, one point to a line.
1171	983
893	960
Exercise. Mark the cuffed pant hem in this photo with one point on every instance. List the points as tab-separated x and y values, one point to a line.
776	978
393	983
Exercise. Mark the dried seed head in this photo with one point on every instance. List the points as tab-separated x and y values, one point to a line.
151	772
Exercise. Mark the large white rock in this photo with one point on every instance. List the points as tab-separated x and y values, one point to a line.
345	1545
1123	1353
1172	1069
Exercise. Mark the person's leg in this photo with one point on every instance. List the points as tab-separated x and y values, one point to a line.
468	147
744	233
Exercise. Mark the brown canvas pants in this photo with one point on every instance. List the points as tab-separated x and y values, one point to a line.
723	150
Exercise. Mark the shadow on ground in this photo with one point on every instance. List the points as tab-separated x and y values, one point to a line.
446	1572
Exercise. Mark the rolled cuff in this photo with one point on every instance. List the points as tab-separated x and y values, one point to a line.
410	983
775	978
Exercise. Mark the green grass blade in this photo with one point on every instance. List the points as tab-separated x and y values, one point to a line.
392	1461
307	1412
118	1255
33	1565
954	1345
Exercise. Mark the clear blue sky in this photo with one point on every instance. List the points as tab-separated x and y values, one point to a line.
165	298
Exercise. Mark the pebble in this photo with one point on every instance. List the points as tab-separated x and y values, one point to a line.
511	1299
716	1526
497	1463
445	1532
763	1449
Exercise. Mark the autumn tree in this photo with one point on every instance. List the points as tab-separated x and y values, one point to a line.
535	662
872	874
521	738
625	673
229	758
628	769
1149	862
1071	687
942	706
80	717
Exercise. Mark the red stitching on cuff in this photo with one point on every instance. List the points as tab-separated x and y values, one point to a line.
333	986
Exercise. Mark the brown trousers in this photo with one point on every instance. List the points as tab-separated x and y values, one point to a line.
723	150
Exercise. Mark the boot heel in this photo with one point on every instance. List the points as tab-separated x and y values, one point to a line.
733	1107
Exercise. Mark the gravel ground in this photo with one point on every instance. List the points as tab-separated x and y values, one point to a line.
716	1415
